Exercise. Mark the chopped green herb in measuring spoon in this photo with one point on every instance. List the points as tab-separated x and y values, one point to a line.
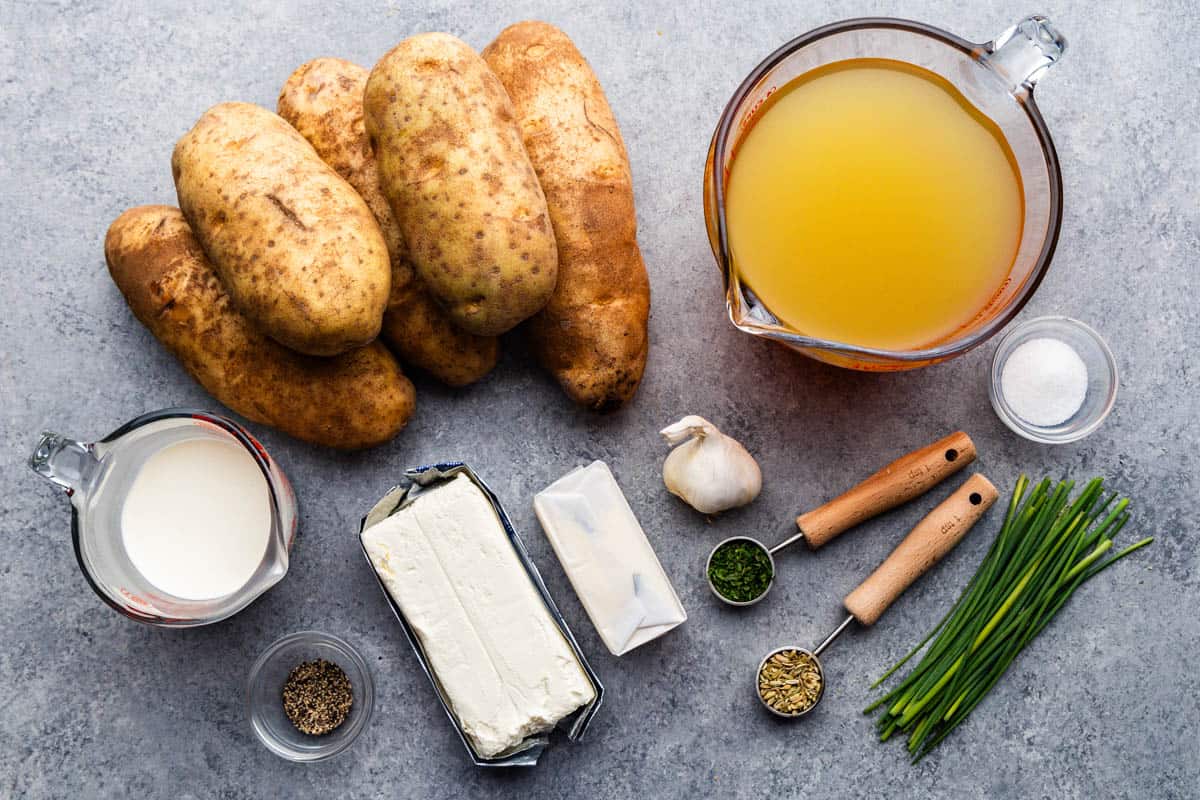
740	570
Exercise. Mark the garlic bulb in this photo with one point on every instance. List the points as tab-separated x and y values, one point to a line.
709	471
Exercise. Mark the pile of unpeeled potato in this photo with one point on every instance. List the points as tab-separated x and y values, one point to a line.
435	202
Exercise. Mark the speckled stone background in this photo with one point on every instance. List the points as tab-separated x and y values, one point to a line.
1104	704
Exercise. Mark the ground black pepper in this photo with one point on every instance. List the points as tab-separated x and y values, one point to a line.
317	697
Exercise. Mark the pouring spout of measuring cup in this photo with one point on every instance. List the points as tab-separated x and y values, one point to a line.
1022	54
66	463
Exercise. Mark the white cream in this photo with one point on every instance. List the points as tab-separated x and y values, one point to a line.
197	518
607	558
503	663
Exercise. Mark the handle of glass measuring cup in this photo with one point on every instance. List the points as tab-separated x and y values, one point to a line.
1022	54
933	537
900	481
64	462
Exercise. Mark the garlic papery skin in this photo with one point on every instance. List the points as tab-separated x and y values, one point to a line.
708	470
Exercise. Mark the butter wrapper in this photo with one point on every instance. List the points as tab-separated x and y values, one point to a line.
526	754
608	558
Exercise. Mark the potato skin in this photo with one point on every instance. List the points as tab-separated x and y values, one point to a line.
323	100
298	250
354	400
453	167
592	335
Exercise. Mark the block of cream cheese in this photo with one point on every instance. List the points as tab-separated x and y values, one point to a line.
499	656
607	558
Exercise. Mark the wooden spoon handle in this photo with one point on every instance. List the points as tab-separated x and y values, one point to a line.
924	546
900	481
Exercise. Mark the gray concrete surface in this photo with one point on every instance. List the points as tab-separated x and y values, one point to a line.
1104	704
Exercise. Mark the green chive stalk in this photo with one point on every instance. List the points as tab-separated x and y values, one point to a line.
1048	546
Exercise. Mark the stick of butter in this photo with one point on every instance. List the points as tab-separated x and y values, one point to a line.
607	558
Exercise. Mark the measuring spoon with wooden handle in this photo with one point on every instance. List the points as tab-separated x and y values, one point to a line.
933	537
902	480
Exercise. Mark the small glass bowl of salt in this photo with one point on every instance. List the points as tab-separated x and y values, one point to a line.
1054	380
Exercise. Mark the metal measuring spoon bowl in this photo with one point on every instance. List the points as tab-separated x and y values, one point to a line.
753	542
759	680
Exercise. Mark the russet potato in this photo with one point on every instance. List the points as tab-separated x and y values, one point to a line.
323	100
453	166
357	399
298	250
592	334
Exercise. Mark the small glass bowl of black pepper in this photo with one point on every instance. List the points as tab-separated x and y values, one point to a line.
265	695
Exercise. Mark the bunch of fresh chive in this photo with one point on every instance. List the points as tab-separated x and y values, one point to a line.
1046	548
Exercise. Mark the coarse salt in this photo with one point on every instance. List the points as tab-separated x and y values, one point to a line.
1044	382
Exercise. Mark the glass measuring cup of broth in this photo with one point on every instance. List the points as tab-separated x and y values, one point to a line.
179	517
883	195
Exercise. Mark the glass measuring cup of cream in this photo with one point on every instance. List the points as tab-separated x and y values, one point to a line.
179	517
883	195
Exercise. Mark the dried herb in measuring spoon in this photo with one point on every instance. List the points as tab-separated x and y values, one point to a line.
317	697
740	570
790	681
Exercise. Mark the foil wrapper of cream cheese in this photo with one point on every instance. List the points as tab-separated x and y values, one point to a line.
527	752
